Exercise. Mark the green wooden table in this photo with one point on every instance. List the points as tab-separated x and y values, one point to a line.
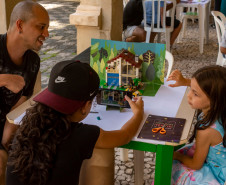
164	152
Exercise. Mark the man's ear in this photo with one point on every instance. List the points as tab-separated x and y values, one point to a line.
19	25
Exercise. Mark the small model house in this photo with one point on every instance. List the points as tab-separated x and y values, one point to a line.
122	69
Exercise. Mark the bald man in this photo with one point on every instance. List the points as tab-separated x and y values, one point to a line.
19	64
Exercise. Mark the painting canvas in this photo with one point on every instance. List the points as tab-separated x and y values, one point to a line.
136	67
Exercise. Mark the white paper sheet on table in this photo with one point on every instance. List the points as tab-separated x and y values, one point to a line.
17	121
165	103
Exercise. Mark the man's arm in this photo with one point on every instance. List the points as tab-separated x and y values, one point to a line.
10	129
12	82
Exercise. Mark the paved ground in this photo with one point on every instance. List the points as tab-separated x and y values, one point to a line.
61	45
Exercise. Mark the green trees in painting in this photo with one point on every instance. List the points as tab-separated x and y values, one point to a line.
158	66
99	58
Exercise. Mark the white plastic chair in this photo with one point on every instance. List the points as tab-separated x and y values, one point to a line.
220	21
170	60
169	57
192	13
159	29
125	2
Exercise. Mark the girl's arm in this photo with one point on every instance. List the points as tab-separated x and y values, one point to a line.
203	142
180	80
111	139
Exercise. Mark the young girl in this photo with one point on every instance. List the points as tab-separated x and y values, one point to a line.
203	161
51	143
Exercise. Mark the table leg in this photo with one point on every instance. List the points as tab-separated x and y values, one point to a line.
123	156
163	166
201	10
179	10
99	169
139	167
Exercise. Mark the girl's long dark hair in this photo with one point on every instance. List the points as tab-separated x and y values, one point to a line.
212	80
33	150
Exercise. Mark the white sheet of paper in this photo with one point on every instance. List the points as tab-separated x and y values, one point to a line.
165	103
17	121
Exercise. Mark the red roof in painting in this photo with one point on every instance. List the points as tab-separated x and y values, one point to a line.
128	57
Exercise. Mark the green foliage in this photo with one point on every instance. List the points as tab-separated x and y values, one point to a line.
115	51
97	56
112	54
149	57
91	61
95	67
108	48
131	50
102	71
144	69
100	66
159	66
136	81
94	48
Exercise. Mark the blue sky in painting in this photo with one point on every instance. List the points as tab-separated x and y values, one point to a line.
139	48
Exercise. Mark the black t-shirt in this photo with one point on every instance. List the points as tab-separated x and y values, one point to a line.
28	69
69	156
133	13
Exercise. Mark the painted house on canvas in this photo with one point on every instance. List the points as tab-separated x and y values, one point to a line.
122	69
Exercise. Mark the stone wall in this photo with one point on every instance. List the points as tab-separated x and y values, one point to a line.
101	19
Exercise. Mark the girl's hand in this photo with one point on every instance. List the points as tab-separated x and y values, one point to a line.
136	106
178	77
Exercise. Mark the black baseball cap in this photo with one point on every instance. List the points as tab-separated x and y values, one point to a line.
71	84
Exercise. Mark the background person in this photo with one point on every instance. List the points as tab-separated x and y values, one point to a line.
177	23
133	28
19	65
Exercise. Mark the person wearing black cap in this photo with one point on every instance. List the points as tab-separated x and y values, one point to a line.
52	143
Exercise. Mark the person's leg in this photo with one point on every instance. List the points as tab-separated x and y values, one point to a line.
176	31
139	35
